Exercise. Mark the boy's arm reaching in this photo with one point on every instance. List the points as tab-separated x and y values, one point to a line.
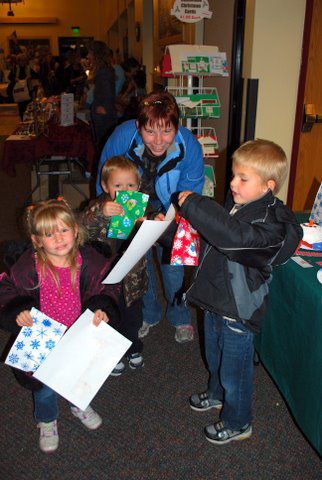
239	240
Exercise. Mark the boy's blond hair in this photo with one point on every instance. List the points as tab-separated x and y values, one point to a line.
119	161
267	158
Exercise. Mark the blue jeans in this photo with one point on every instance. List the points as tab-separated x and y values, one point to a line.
45	405
176	313
229	352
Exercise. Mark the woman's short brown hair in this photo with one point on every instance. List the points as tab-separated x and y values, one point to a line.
158	108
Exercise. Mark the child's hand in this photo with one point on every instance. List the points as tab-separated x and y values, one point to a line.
160	217
24	319
182	197
112	208
99	316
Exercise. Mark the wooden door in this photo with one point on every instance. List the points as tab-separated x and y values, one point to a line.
306	166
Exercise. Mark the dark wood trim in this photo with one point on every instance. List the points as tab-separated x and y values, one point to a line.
300	100
236	86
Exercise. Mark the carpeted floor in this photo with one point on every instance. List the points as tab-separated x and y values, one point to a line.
149	431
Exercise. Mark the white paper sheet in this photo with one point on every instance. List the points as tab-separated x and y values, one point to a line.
147	235
83	360
33	344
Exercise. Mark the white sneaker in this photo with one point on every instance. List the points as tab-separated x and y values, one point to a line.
88	417
48	440
144	330
184	333
118	369
135	360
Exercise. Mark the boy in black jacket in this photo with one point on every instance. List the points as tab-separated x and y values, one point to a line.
244	240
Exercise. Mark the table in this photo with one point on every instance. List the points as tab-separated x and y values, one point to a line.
73	142
290	343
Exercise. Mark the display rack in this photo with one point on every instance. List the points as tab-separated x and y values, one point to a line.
188	65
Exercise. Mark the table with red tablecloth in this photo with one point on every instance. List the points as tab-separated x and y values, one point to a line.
74	141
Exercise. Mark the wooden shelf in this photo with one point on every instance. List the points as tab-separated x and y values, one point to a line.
26	20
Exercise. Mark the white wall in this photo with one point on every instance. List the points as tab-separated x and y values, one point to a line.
273	42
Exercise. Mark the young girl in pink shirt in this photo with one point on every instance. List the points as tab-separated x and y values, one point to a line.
61	278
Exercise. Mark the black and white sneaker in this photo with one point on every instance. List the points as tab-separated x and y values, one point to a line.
200	402
220	435
118	369
135	360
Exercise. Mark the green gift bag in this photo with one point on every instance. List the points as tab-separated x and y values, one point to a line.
134	205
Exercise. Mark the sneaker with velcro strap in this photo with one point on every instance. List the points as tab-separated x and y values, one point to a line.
118	370
219	434
135	360
184	333
144	330
88	417
200	402
48	439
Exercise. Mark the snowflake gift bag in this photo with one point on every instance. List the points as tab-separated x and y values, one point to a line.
186	244
33	344
134	205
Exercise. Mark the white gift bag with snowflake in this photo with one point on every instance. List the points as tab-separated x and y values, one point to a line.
316	213
33	344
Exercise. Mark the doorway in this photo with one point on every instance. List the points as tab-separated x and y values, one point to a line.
306	163
73	43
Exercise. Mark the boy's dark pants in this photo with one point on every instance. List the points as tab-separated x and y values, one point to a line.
130	323
229	352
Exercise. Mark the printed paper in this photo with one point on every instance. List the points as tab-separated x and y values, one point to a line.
148	234
82	360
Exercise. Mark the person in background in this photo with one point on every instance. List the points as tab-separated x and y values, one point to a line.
119	74
35	76
20	71
78	77
119	173
62	278
103	113
169	159
47	71
244	240
127	100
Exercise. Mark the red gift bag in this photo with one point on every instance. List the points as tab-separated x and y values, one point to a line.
186	244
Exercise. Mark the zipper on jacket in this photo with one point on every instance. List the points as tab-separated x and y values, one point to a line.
184	296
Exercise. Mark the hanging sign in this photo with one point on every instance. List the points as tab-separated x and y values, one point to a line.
191	11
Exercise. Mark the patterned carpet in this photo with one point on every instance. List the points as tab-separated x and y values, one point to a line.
149	431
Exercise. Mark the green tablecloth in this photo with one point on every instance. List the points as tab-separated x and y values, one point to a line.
290	343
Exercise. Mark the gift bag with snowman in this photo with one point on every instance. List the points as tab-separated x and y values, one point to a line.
186	244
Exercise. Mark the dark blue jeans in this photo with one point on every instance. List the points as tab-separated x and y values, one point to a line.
45	405
177	313
229	352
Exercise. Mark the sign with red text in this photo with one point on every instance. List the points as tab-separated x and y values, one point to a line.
191	11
